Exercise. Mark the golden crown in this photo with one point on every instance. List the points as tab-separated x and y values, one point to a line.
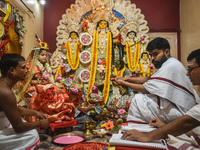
43	45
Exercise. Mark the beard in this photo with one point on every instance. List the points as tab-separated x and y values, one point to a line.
159	63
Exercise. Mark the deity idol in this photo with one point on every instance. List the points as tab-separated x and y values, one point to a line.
132	45
73	47
101	53
58	67
46	95
145	67
132	51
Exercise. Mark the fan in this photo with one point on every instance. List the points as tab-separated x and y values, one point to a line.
13	46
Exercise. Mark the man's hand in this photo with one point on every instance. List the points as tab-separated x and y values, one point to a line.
117	78
135	135
118	81
156	122
44	123
40	115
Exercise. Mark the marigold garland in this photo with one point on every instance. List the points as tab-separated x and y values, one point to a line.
58	72
94	65
141	68
132	65
120	73
106	88
74	63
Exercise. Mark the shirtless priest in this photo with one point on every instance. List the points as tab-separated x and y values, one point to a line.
14	132
167	94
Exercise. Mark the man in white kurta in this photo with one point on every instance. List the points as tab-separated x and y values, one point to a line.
167	94
177	130
172	95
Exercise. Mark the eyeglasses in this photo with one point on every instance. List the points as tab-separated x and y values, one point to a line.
192	68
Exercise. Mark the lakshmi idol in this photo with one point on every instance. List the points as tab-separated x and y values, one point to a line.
73	47
45	95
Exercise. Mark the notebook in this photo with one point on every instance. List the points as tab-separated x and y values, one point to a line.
139	127
117	141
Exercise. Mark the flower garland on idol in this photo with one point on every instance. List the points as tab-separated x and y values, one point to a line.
120	73
141	68
58	75
149	70
106	88
132	65
94	66
74	63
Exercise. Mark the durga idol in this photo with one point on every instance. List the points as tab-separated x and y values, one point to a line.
101	52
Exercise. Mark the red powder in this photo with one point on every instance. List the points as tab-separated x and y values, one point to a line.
68	139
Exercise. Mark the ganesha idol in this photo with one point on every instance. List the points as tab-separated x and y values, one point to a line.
58	67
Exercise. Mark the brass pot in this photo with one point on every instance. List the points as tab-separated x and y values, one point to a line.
103	115
90	125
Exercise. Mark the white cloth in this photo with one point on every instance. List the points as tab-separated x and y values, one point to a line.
172	83
194	112
171	95
144	107
10	140
183	142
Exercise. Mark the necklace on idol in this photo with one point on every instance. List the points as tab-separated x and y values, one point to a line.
4	80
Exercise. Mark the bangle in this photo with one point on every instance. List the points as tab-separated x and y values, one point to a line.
40	124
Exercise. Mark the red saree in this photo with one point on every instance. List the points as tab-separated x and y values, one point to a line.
51	100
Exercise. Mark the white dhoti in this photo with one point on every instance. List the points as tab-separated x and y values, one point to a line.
144	107
10	140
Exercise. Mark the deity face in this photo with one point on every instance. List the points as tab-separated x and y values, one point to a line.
43	56
131	35
103	24
145	57
73	35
